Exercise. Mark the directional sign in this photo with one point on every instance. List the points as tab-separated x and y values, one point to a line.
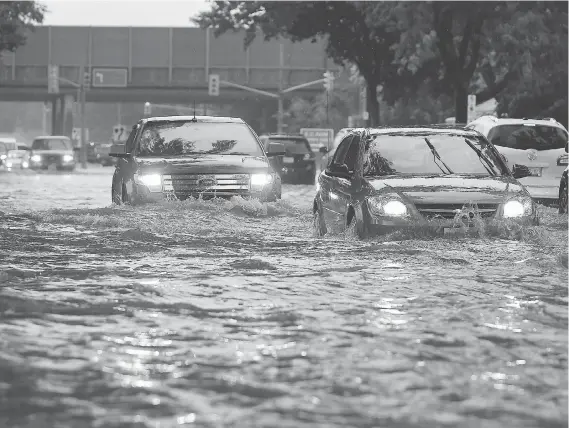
53	79
120	133
318	137
109	78
76	134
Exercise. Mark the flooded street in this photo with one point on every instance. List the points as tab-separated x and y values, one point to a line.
231	314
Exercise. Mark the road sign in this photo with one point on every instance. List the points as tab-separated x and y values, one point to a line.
318	137
213	88
76	134
120	133
471	108
53	79
110	78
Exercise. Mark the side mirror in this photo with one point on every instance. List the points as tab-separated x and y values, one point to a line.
520	171
275	149
336	170
323	150
118	150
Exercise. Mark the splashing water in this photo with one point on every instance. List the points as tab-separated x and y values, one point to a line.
230	313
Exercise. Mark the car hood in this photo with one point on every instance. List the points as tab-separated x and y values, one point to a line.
450	188
52	152
204	164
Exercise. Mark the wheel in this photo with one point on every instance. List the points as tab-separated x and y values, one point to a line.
563	198
355	227
318	224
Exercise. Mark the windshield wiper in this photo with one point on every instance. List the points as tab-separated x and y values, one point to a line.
481	156
437	156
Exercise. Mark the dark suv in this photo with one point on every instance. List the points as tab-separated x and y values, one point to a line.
299	162
182	156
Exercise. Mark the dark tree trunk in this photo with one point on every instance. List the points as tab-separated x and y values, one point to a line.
372	104
461	102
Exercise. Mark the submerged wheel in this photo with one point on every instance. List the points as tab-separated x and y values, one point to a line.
563	199
355	227
117	194
318	224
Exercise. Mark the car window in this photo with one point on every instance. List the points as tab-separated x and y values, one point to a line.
129	145
524	137
181	138
293	146
338	158
390	154
51	144
352	154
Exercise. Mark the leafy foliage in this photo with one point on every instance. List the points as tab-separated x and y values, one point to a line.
16	19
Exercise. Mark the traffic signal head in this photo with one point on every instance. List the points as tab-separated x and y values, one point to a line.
213	87
147	108
87	79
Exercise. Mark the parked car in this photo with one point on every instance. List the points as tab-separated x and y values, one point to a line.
52	151
102	154
92	152
298	165
529	143
381	180
181	157
6	145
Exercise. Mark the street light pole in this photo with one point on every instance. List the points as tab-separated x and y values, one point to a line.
83	146
280	111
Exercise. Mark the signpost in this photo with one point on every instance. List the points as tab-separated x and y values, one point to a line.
53	79
110	77
318	137
120	133
470	114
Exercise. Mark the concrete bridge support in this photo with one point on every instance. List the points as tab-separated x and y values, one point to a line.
62	115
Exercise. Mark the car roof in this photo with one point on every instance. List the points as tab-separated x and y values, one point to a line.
208	119
52	137
435	129
298	136
517	121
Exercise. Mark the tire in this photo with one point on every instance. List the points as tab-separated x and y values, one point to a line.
318	224
563	198
116	194
355	228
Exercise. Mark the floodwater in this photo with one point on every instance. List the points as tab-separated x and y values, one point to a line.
231	314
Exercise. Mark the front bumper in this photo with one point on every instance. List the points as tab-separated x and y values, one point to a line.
142	194
305	168
45	163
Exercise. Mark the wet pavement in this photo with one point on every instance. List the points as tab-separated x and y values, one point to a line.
231	314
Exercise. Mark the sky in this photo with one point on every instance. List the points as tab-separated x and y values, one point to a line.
126	13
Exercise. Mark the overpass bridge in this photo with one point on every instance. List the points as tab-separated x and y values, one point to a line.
158	65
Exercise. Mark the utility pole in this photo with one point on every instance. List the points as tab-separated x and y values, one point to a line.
280	112
82	89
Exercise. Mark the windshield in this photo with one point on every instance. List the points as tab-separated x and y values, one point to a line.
181	138
390	154
293	146
51	144
524	137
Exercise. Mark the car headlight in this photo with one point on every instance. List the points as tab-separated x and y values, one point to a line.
36	158
25	164
517	208
67	158
152	181
387	206
260	180
8	164
3	157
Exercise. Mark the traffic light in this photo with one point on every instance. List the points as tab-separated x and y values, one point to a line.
213	88
147	108
87	79
329	81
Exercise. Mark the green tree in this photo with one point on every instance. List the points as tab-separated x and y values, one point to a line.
350	38
16	19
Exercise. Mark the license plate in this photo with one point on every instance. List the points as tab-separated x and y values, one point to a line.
535	172
288	159
453	231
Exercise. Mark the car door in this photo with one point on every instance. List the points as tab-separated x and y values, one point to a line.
328	184
338	192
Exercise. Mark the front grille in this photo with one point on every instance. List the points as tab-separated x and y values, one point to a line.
221	185
448	211
52	158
